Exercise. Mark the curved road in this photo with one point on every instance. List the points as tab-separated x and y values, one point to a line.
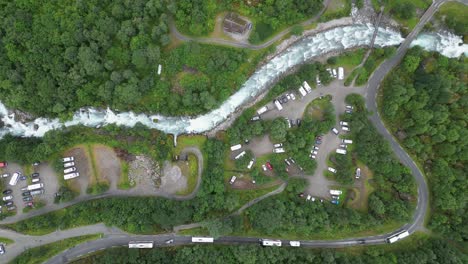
115	237
237	44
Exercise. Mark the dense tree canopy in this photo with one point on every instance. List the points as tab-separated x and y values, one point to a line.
427	112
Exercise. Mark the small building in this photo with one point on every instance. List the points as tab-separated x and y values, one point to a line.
233	23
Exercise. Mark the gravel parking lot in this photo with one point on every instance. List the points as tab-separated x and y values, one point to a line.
108	165
48	176
83	166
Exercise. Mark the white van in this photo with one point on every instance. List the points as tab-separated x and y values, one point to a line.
233	179
69	170
341	151
262	110
330	169
347	141
340	73
306	87
278	150
343	123
71	176
35	180
68	164
68	159
335	131
345	128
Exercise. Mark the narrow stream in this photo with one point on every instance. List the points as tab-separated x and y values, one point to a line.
336	39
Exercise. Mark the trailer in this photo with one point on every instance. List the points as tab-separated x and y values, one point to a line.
71	175
340	73
240	155
278	105
140	244
236	147
35	186
202	240
262	110
302	91
270	243
306	87
341	151
14	178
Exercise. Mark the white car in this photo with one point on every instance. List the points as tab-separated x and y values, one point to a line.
317	79
335	131
308	197
233	179
279	145
314	152
278	150
334	73
343	146
313	156
330	169
72	169
313	199
350	107
293	97
343	123
264	168
7	198
5	175
316	148
345	128
68	159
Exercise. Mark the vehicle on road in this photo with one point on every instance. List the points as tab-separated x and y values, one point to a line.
69	170
236	147
71	175
202	239
270	243
7	198
294	243
269	166
140	244
330	169
14	178
398	236
68	159
7	192
170	241
335	131
5	175
233	179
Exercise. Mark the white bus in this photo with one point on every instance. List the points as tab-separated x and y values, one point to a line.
340	73
270	243
140	244
14	178
306	87
398	236
302	91
278	105
202	240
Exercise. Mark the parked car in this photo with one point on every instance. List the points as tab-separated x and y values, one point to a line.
313	156
3	164
343	123
278	145
27	198
255	118
9	203
35	175
69	164
335	202
68	159
318	137
5	175
27	193
298	122
316	148
7	192
287	162
318	142
349	111
2	249
30	204
343	146
11	208
22	178
333	170
335	131
350	107
293	97
314	152
292	160
269	166
264	167
7	198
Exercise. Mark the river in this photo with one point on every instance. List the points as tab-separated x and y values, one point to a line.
336	39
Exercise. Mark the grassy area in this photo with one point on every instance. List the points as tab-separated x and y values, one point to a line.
124	183
191	174
189	141
317	107
368	189
348	60
336	9
6	241
197	231
42	253
248	195
454	16
406	23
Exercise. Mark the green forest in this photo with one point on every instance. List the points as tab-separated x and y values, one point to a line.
424	101
431	251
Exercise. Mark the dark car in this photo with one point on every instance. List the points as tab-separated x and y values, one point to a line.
318	142
298	122
35	175
283	99
23	178
7	192
27	199
2	249
28	193
9	203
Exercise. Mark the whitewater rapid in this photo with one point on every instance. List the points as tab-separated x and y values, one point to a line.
336	39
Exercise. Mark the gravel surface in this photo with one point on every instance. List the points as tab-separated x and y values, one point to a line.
108	165
172	180
144	172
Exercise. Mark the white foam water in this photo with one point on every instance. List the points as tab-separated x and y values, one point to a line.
336	39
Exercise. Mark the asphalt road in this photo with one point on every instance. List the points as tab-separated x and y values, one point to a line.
112	238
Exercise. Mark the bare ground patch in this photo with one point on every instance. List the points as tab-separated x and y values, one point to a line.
108	165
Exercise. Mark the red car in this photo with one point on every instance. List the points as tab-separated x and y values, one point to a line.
268	164
3	164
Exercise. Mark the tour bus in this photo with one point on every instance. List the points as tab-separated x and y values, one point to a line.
398	236
140	244
71	175
236	147
340	73
270	243
306	87
202	240
14	178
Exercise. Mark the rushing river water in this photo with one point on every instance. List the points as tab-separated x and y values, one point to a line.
335	39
